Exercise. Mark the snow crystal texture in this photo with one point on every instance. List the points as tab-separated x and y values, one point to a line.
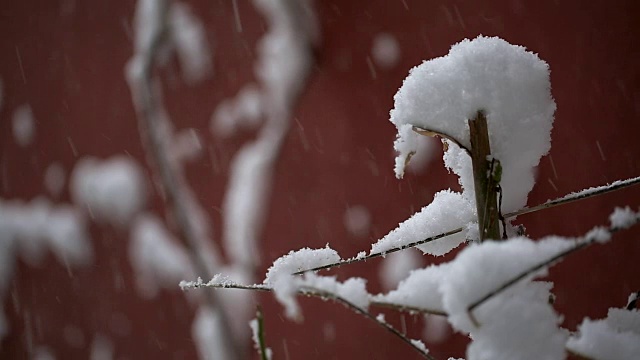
508	83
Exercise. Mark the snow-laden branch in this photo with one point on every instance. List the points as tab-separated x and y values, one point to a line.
283	66
576	196
486	291
219	281
156	24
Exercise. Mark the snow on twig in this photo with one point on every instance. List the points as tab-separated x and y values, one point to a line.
581	195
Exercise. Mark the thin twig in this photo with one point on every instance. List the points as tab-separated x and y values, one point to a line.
617	185
262	348
433	133
589	239
186	285
386	326
384	253
581	195
407	308
313	292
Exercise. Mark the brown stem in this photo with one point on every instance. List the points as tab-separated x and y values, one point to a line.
484	184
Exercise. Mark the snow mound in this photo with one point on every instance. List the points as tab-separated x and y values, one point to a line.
508	83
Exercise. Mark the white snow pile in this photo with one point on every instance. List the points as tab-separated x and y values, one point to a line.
623	218
285	285
242	112
208	331
419	290
157	258
385	50
397	266
448	211
502	327
617	337
190	41
510	84
24	127
285	54
31	228
112	190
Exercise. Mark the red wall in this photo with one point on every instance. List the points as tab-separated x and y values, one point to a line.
70	68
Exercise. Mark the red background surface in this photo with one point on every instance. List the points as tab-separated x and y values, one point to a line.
69	66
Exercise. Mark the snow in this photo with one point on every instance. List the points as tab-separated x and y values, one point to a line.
101	348
187	145
54	179
112	190
29	229
353	289
33	227
207	332
190	41
42	353
624	320
385	50
420	345
158	259
147	22
510	84
599	234
615	338
397	266
285	55
512	324
246	199
24	127
426	150
421	289
517	323
357	220
436	329
448	211
489	265
284	60
285	285
623	218
521	326
242	112
67	234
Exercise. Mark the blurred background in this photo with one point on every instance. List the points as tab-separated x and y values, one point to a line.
279	140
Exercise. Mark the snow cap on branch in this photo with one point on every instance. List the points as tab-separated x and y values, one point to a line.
285	284
508	83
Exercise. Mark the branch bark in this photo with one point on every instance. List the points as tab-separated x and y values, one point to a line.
483	177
